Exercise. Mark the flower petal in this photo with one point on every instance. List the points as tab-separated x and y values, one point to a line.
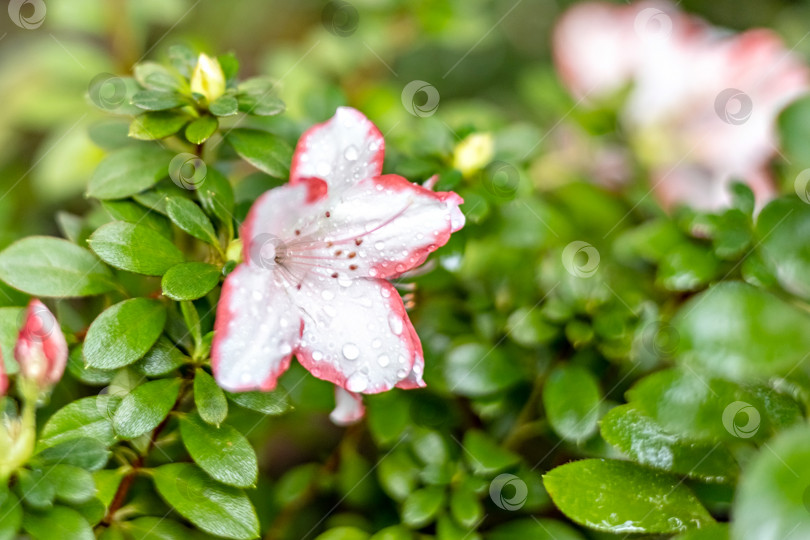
41	349
380	228
257	326
3	377
349	407
342	150
356	334
279	215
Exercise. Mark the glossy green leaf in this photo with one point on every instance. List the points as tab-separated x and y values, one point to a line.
85	417
132	212
156	100
157	125
157	528
156	77
124	333
88	453
190	281
258	96
477	370
265	151
225	105
143	409
687	267
222	452
161	359
421	506
209	398
272	403
198	131
757	335
773	496
190	217
621	497
58	522
11	514
135	248
215	508
72	484
343	533
46	266
646	442
571	398
484	455
718	531
779	226
129	170
216	196
465	507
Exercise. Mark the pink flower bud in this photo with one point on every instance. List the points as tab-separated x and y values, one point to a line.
41	349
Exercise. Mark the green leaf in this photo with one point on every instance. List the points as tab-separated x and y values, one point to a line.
773	495
216	196
156	528
271	403
779	225
132	212
143	409
421	506
190	281
35	488
646	442
124	333
155	100
58	522
484	455
215	508
265	151
183	59
389	415
536	529
718	531
198	131
72	484
85	417
128	171
162	359
134	248
157	125
343	533
621	497
154	76
229	64
190	217
209	398
225	105
85	452
11	514
758	334
465	506
571	399
257	96
222	452
476	370
394	532
397	473
46	266
687	267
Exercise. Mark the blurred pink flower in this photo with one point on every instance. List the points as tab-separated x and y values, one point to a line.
318	253
3	376
701	102
41	350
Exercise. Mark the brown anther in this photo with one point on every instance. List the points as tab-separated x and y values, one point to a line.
329	244
335	275
352	267
328	214
358	241
338	253
297	232
352	255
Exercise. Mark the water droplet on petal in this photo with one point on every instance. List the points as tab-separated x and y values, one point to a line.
395	322
376	344
351	351
351	153
383	360
386	293
358	382
402	373
327	295
317	356
379	245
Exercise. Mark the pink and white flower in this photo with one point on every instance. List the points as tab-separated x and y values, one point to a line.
701	102
3	377
41	350
318	253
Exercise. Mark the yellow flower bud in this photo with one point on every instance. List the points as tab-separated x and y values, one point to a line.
474	153
208	78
